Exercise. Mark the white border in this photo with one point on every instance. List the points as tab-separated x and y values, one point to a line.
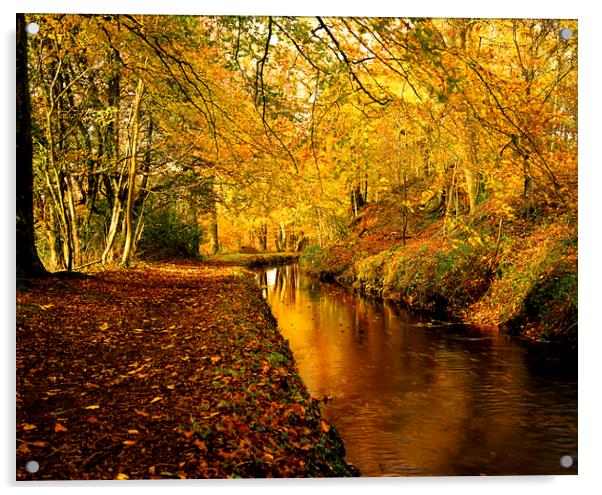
590	220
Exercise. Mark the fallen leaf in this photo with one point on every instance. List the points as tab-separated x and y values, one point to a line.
156	399
129	442
324	426
133	432
27	427
122	476
104	326
59	427
200	444
23	448
93	406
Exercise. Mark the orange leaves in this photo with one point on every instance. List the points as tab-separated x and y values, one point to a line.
59	428
137	399
200	444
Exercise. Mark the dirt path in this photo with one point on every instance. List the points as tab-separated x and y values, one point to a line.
162	371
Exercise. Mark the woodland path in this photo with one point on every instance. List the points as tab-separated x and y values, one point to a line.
165	370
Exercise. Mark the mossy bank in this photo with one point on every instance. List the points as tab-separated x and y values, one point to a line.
518	277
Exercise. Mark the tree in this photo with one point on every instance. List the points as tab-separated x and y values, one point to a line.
28	261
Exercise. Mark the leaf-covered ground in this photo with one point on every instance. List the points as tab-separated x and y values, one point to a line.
162	371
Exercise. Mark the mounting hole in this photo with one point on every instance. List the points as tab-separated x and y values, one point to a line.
566	461
32	28
566	34
32	467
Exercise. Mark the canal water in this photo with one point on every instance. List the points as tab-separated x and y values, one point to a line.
413	397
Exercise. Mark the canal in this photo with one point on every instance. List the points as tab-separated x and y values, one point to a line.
416	397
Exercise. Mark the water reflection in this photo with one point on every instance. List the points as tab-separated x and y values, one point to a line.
410	398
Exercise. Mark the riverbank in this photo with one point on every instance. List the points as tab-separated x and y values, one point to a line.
516	275
165	370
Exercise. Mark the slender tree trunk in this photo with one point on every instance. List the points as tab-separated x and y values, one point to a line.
405	208
263	237
75	240
213	232
28	261
143	189
129	231
114	224
471	189
283	237
113	189
470	177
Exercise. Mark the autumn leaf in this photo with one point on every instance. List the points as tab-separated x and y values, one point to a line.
23	448
156	399
59	428
27	426
129	442
200	444
122	476
93	406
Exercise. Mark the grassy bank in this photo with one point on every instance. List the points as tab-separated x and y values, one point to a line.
166	370
518	276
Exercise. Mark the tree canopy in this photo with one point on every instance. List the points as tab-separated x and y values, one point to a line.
274	131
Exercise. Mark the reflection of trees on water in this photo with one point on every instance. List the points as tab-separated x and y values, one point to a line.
411	397
287	281
261	278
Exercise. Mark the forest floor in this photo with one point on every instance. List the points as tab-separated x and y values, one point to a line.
164	370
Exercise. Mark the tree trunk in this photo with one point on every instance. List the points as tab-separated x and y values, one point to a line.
471	189
213	233
115	214
129	230
28	261
263	237
75	240
283	237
